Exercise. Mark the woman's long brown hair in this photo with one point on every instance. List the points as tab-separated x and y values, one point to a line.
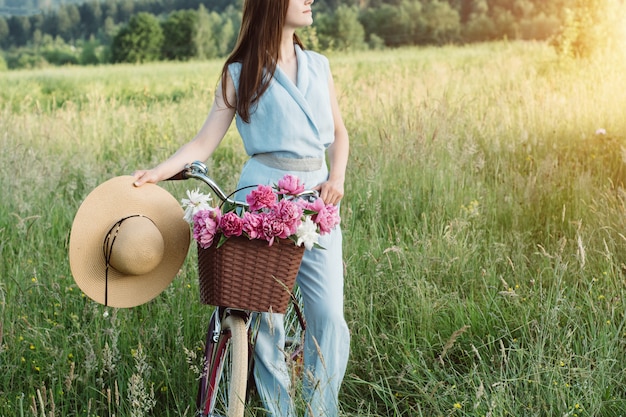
257	49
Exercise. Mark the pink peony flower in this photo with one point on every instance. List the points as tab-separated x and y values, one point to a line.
274	227
289	213
272	212
231	224
253	225
327	218
290	185
313	206
262	197
205	226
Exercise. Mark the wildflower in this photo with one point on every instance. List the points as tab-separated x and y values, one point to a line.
601	131
457	406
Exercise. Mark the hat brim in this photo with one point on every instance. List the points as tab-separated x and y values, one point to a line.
111	201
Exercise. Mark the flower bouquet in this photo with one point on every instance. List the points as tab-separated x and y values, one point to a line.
249	254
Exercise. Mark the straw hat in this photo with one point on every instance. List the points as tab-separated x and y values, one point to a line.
127	243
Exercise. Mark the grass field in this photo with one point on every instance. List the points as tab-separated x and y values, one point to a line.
484	222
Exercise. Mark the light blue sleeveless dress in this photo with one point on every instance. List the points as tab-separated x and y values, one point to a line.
296	122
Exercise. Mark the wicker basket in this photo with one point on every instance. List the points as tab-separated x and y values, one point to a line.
249	274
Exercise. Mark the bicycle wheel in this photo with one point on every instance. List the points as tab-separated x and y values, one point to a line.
226	368
295	326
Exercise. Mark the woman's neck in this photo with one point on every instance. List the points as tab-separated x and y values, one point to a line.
288	61
287	50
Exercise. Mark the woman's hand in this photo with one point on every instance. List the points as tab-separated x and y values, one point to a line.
145	176
331	191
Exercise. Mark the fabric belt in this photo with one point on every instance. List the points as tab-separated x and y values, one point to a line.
289	164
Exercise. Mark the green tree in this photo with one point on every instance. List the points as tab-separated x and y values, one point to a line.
479	26
179	35
3	63
67	21
581	33
90	17
341	30
4	32
109	9
391	23
89	52
205	40
505	23
539	27
125	10
19	30
138	41
350	33
108	30
442	23
228	30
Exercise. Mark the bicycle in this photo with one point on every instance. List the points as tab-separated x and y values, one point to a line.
228	361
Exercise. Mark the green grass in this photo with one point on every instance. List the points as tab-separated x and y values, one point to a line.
484	235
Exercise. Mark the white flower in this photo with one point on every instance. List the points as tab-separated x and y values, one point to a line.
307	233
601	131
196	202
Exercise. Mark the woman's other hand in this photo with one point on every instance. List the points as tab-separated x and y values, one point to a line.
331	191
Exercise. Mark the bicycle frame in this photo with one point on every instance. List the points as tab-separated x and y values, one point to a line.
216	346
218	339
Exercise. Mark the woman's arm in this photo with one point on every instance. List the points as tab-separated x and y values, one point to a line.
202	145
332	190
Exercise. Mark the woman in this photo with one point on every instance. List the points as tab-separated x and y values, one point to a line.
289	119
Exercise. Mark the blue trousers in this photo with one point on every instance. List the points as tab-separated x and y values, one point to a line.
327	340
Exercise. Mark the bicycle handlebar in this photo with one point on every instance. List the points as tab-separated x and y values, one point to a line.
199	171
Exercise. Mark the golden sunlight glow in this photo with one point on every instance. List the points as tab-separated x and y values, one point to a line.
617	12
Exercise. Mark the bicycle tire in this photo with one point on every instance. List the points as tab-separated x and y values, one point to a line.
226	367
295	327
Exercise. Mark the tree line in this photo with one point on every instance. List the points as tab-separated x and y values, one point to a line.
110	31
